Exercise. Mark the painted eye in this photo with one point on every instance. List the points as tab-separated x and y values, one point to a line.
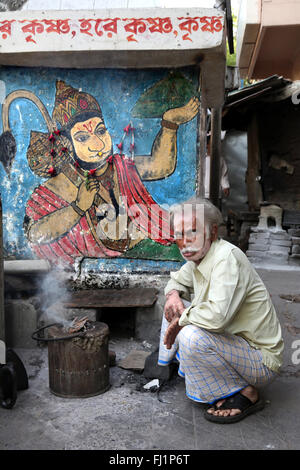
81	138
101	130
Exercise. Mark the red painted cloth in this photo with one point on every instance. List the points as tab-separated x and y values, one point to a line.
152	220
146	215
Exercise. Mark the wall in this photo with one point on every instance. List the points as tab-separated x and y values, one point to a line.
171	178
137	97
267	39
249	20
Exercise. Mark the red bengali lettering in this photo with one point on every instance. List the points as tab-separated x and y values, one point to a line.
211	23
5	29
111	25
108	25
33	27
189	25
136	25
86	26
217	23
57	26
160	25
98	27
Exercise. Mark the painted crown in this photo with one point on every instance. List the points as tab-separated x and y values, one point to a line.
70	102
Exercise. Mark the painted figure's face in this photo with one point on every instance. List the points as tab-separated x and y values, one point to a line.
91	140
191	238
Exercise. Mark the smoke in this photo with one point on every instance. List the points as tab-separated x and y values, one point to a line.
53	295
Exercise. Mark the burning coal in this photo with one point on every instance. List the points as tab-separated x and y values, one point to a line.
78	324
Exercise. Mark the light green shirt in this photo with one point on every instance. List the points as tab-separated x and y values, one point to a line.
230	297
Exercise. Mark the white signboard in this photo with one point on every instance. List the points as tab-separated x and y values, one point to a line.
117	29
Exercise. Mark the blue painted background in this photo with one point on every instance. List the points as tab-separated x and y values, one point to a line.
117	91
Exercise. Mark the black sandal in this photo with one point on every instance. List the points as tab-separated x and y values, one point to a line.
239	402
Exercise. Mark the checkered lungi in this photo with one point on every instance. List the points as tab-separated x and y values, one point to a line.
214	365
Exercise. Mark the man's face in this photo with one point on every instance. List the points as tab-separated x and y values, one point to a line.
91	140
191	238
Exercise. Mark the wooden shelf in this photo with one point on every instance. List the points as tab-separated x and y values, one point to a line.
113	298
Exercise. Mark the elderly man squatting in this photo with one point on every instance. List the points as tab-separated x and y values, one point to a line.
227	339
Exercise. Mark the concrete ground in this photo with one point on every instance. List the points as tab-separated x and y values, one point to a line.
128	418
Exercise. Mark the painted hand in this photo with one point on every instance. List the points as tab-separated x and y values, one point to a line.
184	113
171	333
85	197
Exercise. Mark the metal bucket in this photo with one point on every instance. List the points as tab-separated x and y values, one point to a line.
78	366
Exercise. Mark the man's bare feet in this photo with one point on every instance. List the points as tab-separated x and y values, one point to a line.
249	392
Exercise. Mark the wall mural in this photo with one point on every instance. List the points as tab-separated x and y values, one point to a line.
90	179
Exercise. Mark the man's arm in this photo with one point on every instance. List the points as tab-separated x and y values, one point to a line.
178	287
181	281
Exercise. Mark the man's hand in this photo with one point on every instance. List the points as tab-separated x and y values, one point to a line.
173	306
171	333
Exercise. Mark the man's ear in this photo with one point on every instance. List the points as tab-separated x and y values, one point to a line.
214	232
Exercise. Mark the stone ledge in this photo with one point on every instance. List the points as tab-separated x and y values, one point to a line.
26	266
